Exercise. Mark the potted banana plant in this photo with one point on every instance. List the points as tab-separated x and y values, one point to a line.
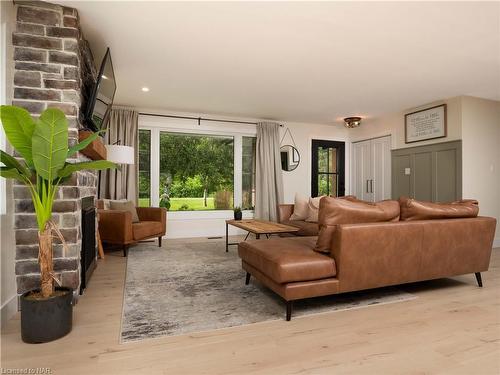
42	146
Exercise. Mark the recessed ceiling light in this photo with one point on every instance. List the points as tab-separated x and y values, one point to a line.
103	76
145	89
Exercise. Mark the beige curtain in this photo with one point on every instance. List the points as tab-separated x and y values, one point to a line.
269	181
122	127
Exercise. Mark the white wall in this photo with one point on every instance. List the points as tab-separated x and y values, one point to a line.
299	180
481	155
476	122
472	120
394	124
208	224
7	244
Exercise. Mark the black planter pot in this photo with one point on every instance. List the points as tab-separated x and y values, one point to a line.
238	215
46	320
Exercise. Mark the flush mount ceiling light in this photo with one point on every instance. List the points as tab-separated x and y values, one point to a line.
352	122
145	89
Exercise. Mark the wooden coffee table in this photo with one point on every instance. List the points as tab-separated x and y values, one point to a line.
258	227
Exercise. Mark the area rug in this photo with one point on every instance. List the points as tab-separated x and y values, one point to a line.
197	286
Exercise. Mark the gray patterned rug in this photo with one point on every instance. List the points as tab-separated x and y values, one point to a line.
198	287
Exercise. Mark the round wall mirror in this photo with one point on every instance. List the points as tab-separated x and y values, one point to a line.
290	158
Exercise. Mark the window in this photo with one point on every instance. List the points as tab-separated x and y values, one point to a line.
188	169
144	168
248	173
196	172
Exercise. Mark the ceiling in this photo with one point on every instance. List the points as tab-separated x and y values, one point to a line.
296	61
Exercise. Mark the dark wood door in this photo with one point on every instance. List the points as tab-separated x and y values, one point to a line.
328	168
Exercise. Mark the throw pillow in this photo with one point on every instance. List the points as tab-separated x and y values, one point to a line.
300	208
106	202
411	209
313	209
125	206
313	206
336	211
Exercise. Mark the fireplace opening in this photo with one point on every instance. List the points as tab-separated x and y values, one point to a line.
88	257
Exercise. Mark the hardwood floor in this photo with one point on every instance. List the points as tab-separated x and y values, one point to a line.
452	328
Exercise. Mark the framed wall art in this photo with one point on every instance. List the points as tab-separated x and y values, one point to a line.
425	124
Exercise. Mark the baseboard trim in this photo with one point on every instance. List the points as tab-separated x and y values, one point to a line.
8	309
496	242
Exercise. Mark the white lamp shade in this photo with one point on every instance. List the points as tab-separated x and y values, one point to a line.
120	154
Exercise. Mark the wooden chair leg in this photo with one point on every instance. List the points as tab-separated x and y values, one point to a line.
99	246
247	279
159	241
125	250
478	279
289	306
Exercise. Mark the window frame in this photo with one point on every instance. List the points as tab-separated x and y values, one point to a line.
340	173
156	125
138	163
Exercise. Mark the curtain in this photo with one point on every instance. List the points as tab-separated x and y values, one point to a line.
114	184
268	176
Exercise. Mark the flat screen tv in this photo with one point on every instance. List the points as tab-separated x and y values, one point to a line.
101	96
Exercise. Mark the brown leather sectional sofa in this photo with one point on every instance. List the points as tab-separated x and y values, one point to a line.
305	228
426	244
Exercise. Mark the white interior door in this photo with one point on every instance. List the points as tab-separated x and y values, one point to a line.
362	170
380	186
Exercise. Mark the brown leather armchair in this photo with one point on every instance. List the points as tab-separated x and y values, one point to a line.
116	227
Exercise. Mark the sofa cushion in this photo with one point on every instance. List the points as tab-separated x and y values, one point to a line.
145	229
300	208
336	211
288	259
305	228
412	209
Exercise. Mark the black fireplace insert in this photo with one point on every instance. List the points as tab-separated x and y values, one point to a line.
88	256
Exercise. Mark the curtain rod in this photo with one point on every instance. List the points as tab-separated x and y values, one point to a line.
199	119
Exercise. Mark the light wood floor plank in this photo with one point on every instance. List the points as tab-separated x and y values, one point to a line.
452	328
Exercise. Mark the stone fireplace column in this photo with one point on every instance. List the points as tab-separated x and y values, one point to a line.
53	68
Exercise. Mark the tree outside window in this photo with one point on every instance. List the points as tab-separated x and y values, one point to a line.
196	172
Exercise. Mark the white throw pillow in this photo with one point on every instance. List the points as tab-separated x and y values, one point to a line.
301	208
313	209
107	203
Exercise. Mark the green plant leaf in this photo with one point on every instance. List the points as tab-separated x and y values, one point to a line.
11	162
12	173
18	126
80	146
69	168
50	143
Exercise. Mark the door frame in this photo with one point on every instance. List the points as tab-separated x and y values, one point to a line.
341	147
